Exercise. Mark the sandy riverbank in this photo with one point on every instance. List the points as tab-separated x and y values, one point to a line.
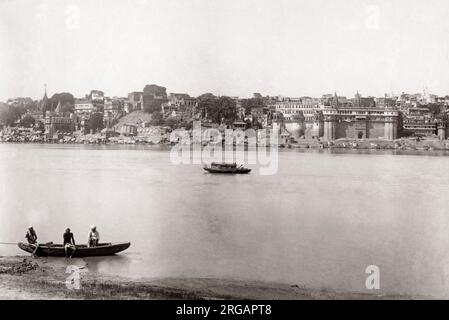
44	278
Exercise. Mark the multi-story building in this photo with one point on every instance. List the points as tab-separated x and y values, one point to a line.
292	107
55	121
180	104
359	120
385	102
419	121
419	128
326	99
178	99
113	110
153	97
58	123
84	107
135	101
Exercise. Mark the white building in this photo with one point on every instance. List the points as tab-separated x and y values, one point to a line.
289	107
84	107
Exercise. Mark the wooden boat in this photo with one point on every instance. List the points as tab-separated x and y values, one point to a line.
57	250
230	168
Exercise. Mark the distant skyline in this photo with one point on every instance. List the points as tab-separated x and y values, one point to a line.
235	48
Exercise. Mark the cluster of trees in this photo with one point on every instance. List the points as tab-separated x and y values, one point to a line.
217	109
67	101
220	110
157	119
223	109
9	114
95	122
27	121
251	103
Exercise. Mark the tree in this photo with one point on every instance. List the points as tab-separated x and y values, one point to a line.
206	96
172	123
9	114
67	101
95	122
27	121
256	124
157	118
251	103
186	124
227	110
40	126
23	104
218	109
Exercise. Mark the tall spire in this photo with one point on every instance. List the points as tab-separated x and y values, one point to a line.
43	104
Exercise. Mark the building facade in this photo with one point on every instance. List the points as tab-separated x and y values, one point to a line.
54	123
135	101
291	107
128	130
84	107
359	121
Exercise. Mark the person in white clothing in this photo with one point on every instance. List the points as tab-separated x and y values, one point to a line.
94	237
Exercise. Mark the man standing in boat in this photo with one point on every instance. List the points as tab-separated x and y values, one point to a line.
69	243
94	237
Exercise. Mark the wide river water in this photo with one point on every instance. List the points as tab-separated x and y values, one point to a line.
318	222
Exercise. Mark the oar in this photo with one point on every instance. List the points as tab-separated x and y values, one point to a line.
10	243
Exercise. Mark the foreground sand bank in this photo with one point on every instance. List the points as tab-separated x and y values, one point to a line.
27	278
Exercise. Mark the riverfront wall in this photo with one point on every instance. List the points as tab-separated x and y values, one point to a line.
371	123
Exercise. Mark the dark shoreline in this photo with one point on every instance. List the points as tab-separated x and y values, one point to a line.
425	148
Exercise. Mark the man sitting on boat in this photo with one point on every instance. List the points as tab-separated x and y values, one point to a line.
94	237
69	243
31	237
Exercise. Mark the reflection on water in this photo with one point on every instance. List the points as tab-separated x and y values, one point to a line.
318	222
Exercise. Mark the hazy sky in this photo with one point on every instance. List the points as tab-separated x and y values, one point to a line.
225	47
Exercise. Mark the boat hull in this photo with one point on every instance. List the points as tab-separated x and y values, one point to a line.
57	250
228	171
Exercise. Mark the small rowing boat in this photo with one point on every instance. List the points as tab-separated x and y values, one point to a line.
82	250
230	168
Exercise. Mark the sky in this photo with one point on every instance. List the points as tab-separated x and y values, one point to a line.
227	47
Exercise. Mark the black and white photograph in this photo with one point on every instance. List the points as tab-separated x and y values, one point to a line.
227	150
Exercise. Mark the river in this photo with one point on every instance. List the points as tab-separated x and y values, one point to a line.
318	222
